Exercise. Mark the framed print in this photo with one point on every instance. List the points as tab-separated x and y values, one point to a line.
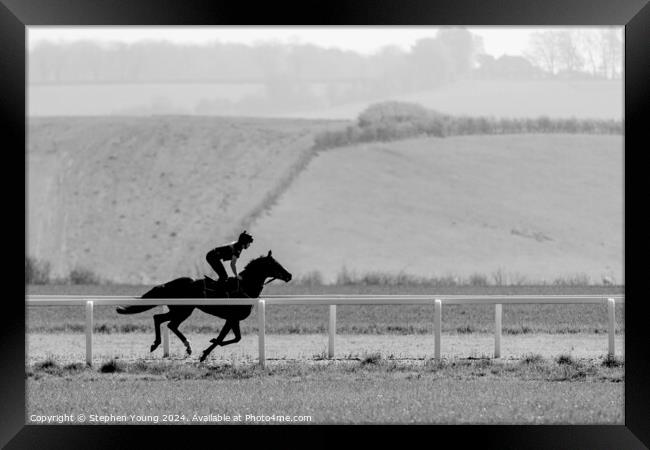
383	214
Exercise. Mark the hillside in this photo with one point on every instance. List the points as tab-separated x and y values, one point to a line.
141	200
534	206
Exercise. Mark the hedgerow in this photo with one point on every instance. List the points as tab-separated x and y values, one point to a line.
390	121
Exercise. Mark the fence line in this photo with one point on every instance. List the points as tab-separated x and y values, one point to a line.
333	300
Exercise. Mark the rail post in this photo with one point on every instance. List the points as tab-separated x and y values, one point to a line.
89	332
437	325
261	321
332	329
498	315
611	311
165	334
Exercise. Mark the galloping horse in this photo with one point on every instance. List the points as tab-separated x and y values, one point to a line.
253	279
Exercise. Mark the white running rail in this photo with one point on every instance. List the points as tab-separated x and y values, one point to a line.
436	301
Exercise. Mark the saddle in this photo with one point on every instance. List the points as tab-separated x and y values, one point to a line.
225	288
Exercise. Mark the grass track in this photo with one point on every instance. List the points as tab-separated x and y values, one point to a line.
396	384
306	348
372	390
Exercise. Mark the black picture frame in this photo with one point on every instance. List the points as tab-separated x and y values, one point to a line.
16	15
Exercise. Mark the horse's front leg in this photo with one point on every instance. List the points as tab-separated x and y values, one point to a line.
216	341
235	329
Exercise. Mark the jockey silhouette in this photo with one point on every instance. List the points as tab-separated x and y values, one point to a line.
229	252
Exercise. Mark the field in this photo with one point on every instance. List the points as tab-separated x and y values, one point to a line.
553	367
527	207
143	199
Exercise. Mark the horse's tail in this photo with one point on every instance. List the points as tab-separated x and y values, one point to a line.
133	309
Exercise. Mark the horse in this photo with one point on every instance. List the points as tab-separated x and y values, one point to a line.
253	279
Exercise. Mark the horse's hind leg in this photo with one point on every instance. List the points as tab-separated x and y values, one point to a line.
176	315
217	341
173	325
157	320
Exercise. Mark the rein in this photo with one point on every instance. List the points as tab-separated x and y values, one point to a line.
267	282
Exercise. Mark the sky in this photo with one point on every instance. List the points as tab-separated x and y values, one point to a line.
367	40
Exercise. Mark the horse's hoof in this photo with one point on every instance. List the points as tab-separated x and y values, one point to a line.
154	346
188	350
202	358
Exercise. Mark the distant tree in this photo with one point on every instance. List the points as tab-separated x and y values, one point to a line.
569	56
446	57
587	40
544	50
611	52
47	62
430	63
599	51
301	60
461	46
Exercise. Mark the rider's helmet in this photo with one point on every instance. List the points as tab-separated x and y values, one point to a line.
245	238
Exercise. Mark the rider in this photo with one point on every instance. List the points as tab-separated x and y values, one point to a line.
228	252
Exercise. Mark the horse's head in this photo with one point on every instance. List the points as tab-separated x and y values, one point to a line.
274	269
265	267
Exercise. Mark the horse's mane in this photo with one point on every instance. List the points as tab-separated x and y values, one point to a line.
253	264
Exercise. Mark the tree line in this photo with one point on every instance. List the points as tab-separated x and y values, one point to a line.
447	55
451	54
597	52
